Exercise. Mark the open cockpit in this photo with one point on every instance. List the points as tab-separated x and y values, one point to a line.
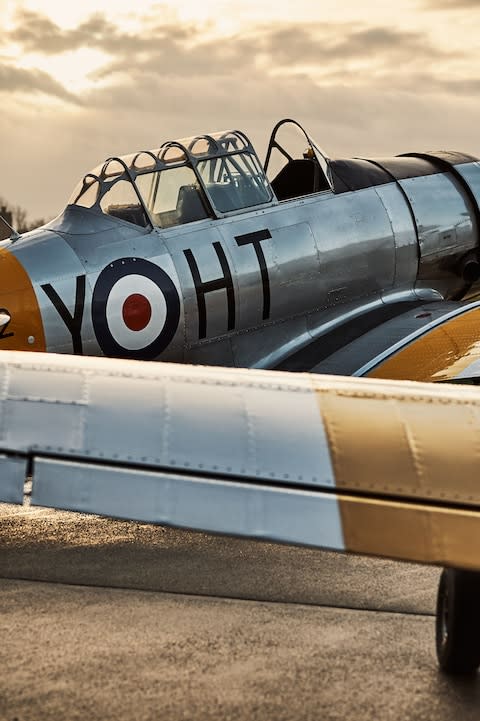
295	163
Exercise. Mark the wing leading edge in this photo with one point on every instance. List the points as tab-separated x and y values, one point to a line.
361	465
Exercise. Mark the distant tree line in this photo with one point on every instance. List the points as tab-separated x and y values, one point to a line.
17	217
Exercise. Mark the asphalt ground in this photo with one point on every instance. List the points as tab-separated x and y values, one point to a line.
103	619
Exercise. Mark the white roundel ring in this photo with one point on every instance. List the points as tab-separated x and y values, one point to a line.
135	309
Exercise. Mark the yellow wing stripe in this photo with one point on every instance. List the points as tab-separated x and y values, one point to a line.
405	447
440	354
412	453
447	537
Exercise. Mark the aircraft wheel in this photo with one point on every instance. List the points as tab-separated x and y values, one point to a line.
458	621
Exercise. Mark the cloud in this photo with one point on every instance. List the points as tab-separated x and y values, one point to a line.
174	59
451	4
165	63
190	66
314	56
170	47
360	89
326	42
155	60
13	79
37	33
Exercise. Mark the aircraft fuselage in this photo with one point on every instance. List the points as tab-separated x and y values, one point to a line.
251	287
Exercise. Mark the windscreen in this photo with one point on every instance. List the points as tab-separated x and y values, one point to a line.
173	196
234	182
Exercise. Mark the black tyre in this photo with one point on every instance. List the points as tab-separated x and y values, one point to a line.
458	621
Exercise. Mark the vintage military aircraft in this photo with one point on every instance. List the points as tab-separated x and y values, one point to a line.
191	254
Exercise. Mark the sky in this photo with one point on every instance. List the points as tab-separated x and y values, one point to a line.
80	82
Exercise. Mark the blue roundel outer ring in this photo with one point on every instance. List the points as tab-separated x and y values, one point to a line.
106	280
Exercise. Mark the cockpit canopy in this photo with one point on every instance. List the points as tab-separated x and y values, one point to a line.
183	181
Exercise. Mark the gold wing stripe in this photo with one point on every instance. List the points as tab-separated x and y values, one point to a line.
439	354
404	447
412	454
442	536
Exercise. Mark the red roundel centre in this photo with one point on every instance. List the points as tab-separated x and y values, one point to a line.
136	311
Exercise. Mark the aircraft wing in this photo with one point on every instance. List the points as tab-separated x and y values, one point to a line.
361	465
432	342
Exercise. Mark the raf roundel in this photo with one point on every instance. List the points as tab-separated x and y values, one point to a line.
135	309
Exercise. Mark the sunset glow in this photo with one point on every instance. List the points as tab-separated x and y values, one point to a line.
81	81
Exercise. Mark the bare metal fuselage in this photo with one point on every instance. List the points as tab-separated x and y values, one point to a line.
250	288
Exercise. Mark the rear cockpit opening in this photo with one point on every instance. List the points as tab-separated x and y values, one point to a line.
295	163
298	167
